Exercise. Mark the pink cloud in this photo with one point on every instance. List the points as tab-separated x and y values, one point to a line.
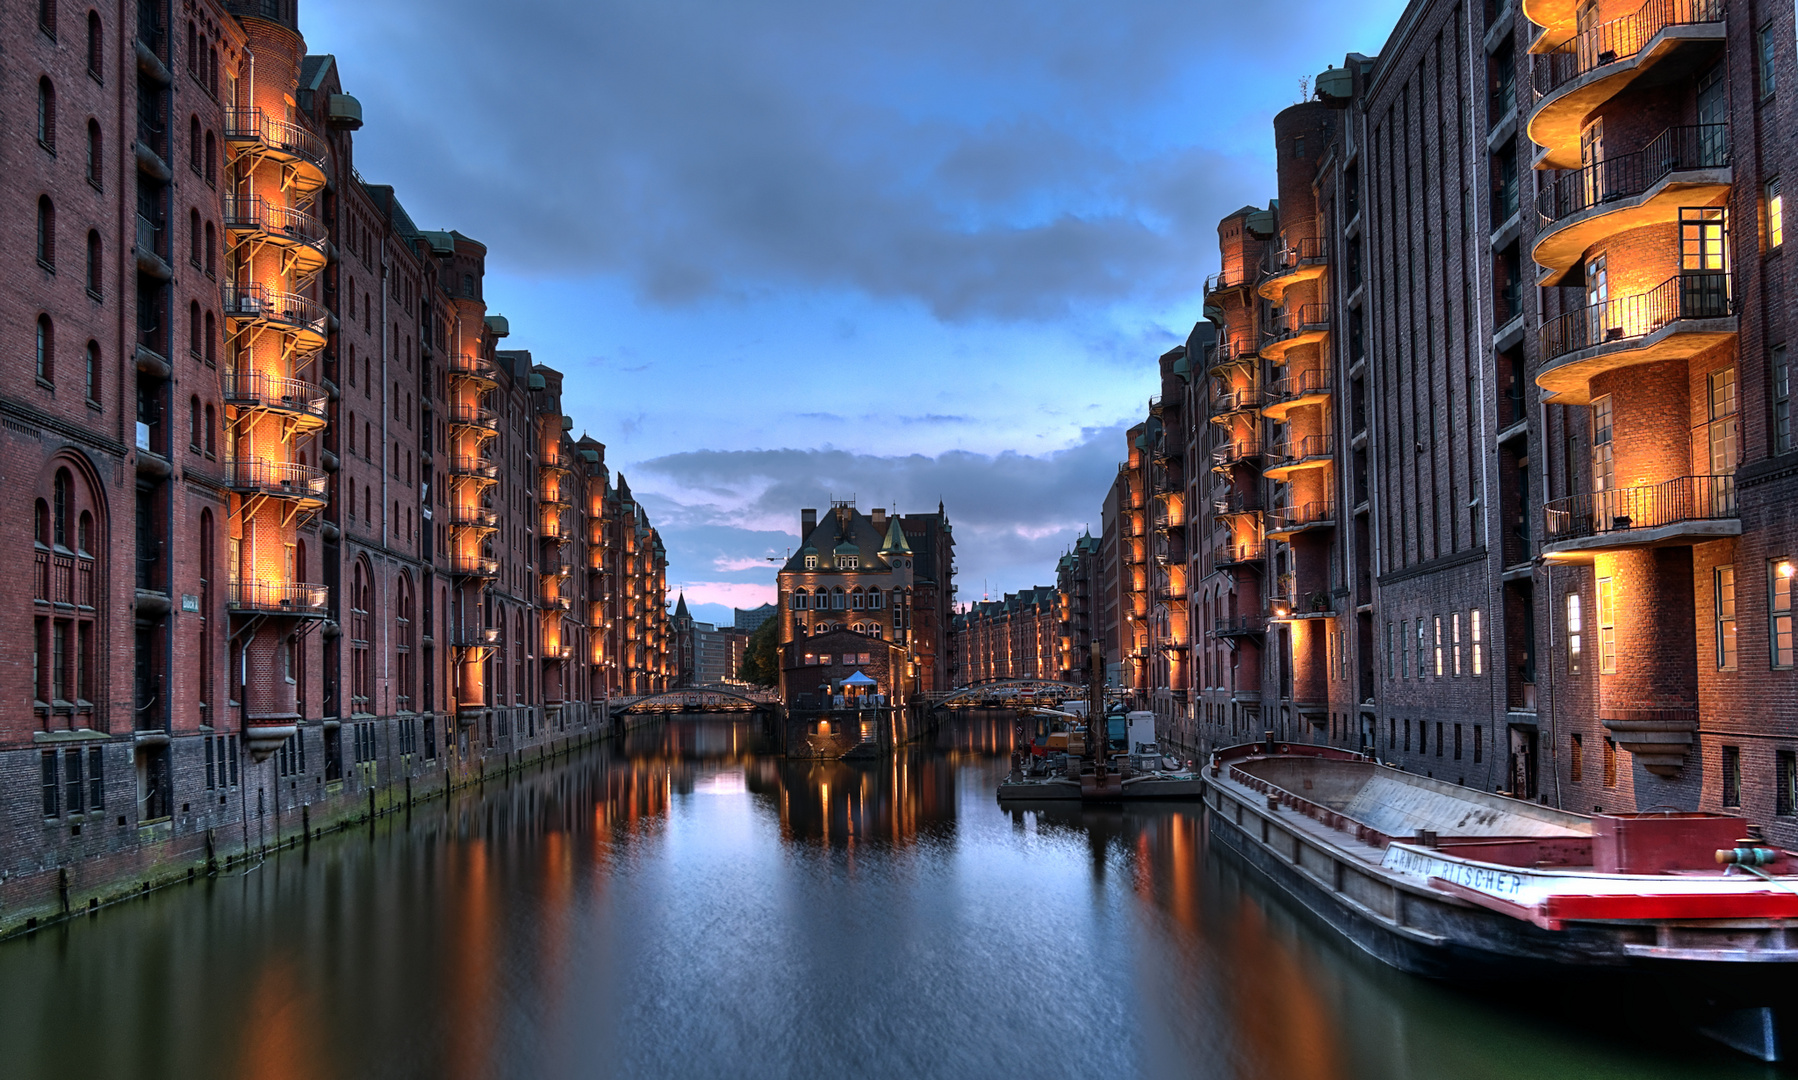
728	593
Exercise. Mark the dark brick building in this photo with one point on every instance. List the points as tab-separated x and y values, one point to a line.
302	533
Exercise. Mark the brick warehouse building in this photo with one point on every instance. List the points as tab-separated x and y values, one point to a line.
1016	637
1496	421
874	584
299	525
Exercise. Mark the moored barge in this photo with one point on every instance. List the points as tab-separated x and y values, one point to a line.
1444	881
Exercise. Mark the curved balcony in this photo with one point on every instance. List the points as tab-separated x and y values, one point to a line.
1301	260
254	132
476	368
554	529
1234	404
1238	503
476	417
1236	452
474	637
1223	281
478	518
1663	40
557	602
1682	511
1307	324
1296	389
295	399
464	466
555	497
1170	594
253	305
1291	520
277	479
1681	317
1233	352
1247	553
1683	166
302	236
1295	454
1239	626
278	598
475	566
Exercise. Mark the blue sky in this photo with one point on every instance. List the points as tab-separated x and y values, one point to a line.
794	249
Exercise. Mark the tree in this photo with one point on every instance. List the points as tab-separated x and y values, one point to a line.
761	657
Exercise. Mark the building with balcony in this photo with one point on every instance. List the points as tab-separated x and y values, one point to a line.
280	479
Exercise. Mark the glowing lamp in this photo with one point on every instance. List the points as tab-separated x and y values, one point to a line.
1785	569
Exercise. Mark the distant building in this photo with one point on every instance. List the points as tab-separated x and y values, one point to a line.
752	619
703	654
1018	637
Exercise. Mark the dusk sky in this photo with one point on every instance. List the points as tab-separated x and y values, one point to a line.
792	250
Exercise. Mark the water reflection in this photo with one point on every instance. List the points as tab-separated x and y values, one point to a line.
684	904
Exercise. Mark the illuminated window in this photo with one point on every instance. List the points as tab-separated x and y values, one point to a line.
1436	623
1604	474
1576	760
1610	762
1422	644
811	562
1455	640
1607	628
1722	430
1575	639
1776	214
1473	630
1779	611
1725	578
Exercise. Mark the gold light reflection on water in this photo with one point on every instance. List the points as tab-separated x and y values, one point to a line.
471	966
281	1029
1287	1030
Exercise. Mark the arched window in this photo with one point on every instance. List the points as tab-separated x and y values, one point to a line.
212	71
874	599
68	533
856	600
212	251
46	232
62	494
195	253
193	424
212	158
798	600
95	257
40	526
836	599
93	372
193	37
361	634
46	350
403	616
193	142
203	647
46	114
194	342
95	146
46	16
211	427
96	47
212	338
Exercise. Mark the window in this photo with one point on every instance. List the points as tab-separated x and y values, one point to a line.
1389	650
1779	611
1404	653
46	115
1439	726
96	47
193	424
811	562
847	562
212	159
93	372
1407	736
1782	402
95	154
1607	627
212	251
1457	742
1575	637
1724	578
94	265
1576	760
1766	51
193	146
1420	648
52	790
46	16
1454	641
46	350
1436	624
1785	783
1722	430
1604	466
1479	744
1473	629
1776	214
46	233
1610	762
1731	761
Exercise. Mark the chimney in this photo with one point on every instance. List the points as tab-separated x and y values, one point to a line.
808	520
879	515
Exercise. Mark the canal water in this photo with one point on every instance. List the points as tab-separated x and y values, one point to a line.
684	905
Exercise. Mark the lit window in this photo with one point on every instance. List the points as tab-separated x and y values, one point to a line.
1421	646
1779	611
1603	466
1776	214
1436	623
811	562
1725	578
1455	640
1575	638
1607	628
1473	629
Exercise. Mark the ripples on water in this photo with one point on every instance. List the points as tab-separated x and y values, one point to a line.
682	906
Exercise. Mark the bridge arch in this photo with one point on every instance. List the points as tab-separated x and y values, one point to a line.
694	695
1073	690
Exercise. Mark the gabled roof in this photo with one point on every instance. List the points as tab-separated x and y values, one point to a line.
848	533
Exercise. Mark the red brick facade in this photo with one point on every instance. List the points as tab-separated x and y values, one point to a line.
303	535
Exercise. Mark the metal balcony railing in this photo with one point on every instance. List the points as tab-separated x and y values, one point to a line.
475	416
1302	319
474	565
474	637
1691	294
1235	452
1299	384
1678	149
1301	515
254	389
1653	506
280	136
253	302
280	478
1226	279
253	213
1235	554
1238	502
475	367
1620	39
1305	448
463	465
1305	251
478	516
1235	401
1239	625
277	597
